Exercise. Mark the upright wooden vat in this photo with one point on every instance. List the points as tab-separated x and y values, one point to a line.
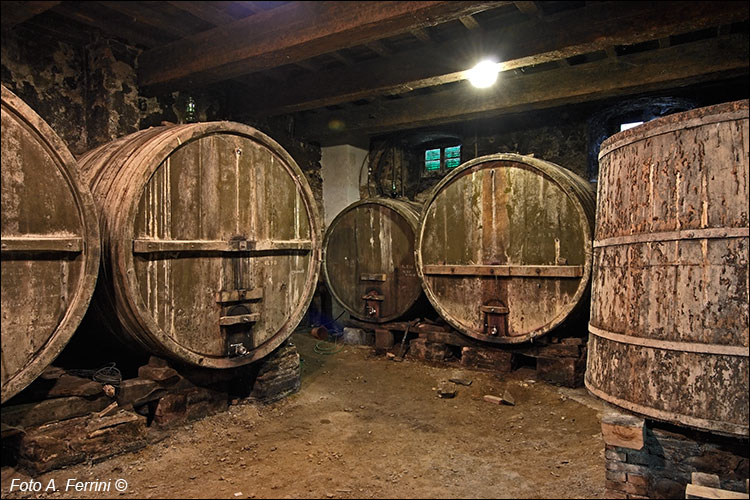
504	247
368	258
669	312
50	245
211	241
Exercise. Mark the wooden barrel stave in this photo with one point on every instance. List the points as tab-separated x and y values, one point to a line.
507	234
369	249
50	245
188	191
670	283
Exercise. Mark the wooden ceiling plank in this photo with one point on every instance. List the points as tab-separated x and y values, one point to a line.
141	13
421	34
14	13
94	17
292	32
469	22
341	57
529	8
684	64
595	28
378	48
205	11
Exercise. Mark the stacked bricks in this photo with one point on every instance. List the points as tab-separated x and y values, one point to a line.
646	459
627	469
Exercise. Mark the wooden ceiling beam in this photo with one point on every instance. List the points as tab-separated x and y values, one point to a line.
96	16
205	11
594	28
378	48
290	33
685	64
142	13
421	35
469	22
341	57
14	13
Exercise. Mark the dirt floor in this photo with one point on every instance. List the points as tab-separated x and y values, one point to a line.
364	426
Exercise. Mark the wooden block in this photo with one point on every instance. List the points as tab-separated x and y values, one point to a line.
157	362
383	339
164	375
52	410
80	439
138	391
697	491
69	385
493	399
171	410
497	360
445	337
623	430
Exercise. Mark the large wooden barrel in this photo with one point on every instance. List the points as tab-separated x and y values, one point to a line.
368	258
669	312
50	245
210	239
504	247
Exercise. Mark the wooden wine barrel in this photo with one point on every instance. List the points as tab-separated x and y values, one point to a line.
669	312
210	239
50	245
368	258
504	247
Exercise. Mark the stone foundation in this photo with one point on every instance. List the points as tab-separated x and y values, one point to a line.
646	459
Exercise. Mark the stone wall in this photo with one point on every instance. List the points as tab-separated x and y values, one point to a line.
87	91
397	165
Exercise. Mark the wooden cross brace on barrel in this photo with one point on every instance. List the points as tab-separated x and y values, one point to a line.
237	317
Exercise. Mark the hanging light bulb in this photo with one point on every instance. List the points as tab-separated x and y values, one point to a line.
484	74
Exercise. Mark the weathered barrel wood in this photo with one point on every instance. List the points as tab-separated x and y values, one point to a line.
504	247
368	261
669	312
50	245
211	241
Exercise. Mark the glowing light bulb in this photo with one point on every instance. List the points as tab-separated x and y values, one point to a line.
484	74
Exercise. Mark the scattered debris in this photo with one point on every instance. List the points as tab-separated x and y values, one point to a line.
446	390
506	399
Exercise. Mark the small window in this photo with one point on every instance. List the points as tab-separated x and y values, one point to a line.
439	159
432	159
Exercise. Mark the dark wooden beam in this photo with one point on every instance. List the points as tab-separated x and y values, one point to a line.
598	27
469	22
421	34
529	8
98	17
290	33
378	48
14	13
143	13
341	57
701	61
205	11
